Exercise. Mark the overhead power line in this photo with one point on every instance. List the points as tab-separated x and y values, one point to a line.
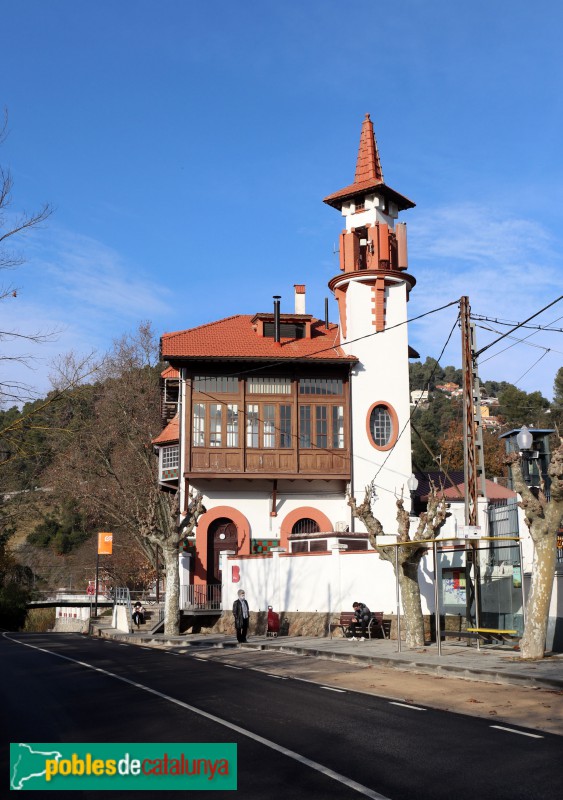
520	325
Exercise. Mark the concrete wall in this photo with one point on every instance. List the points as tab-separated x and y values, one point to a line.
318	582
121	619
71	625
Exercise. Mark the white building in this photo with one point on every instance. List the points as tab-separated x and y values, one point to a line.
281	415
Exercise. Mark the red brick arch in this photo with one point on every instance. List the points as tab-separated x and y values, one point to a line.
243	535
294	516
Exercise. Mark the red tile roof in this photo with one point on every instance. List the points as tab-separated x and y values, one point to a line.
369	174
368	165
236	338
170	434
453	487
170	372
494	491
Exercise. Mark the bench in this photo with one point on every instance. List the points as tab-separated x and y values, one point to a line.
502	635
376	626
485	634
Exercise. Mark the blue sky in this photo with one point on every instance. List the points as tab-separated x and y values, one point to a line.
186	148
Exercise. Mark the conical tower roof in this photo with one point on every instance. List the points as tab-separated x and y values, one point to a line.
368	164
369	175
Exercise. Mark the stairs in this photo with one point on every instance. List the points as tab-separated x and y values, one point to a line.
154	619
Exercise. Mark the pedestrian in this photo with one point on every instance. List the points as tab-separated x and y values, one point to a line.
242	615
363	616
138	614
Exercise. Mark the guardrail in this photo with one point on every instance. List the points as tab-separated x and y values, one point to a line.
206	597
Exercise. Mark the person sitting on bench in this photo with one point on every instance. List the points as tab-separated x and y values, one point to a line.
363	616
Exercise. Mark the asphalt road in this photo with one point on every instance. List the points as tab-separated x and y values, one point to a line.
295	739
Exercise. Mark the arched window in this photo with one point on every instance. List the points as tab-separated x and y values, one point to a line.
382	425
306	525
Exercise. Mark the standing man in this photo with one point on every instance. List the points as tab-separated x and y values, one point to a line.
242	615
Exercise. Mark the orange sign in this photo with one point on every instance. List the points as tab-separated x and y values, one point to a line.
105	541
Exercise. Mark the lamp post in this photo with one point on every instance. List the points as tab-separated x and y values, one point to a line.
412	485
524	439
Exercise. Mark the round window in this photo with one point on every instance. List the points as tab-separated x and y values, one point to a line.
382	426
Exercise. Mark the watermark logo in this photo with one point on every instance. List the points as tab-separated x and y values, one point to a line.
117	766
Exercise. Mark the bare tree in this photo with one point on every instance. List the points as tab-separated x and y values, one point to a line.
12	227
406	555
543	518
163	528
109	463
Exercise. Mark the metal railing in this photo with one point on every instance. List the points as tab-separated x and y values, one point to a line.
123	598
206	597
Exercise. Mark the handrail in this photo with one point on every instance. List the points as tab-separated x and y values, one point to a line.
123	598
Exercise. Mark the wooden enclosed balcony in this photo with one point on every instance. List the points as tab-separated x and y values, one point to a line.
268	463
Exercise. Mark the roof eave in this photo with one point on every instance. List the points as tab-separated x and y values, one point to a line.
176	359
338	199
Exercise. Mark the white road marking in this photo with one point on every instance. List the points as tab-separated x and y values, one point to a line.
199	658
230	666
281	677
406	705
513	730
332	689
329	773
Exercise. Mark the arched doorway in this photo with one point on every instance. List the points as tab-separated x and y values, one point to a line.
222	534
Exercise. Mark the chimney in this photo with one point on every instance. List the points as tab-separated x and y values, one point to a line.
326	314
299	298
277	299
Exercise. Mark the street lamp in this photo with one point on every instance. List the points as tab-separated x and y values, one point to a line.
412	485
524	439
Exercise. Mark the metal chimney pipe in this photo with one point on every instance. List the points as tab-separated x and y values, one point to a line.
326	313
277	298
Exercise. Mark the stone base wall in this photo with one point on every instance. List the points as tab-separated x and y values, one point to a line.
297	623
71	625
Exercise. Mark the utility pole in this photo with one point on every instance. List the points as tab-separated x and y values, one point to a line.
473	458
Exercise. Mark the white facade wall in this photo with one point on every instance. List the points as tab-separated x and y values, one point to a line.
255	501
321	582
381	375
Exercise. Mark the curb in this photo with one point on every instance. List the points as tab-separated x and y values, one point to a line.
463	672
452	670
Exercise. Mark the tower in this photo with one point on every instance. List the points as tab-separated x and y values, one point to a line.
372	292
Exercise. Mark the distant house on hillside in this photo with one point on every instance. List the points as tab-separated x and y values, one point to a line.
447	388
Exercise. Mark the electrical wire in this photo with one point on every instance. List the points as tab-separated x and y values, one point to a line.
520	324
543	355
511	323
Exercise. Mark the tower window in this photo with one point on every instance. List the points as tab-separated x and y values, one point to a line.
362	235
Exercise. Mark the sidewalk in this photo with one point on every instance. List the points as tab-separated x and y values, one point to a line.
491	664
